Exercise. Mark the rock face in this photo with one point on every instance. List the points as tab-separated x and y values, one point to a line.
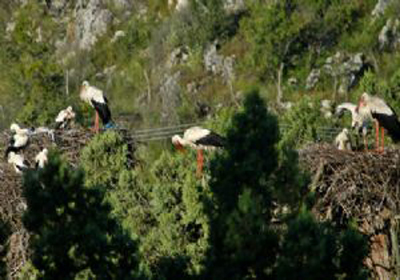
179	55
313	78
169	92
344	69
91	22
234	6
389	37
218	64
380	7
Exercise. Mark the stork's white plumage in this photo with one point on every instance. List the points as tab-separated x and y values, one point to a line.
359	121
343	140
383	115
19	140
18	162
64	117
41	158
200	139
96	98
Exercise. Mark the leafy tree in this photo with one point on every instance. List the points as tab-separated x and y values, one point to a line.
35	74
72	233
313	250
273	33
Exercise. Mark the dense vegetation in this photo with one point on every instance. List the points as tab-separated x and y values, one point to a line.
249	216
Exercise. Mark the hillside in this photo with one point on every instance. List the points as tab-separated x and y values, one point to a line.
277	202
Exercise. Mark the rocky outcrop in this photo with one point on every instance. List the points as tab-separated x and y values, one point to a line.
178	5
313	78
218	64
178	56
344	69
389	37
380	7
169	92
234	6
91	21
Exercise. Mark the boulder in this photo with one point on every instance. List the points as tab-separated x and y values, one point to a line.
91	22
380	7
389	37
313	78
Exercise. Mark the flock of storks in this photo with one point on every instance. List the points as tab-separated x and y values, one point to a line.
198	138
369	108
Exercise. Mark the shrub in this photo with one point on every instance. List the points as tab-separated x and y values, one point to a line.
71	230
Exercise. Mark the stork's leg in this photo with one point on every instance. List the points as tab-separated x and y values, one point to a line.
96	123
383	139
376	136
365	143
200	162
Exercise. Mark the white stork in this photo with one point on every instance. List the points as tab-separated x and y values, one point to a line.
41	158
343	140
19	140
64	117
18	162
359	122
99	102
384	116
200	139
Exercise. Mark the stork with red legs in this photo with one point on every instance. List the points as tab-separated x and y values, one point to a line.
200	139
99	102
384	117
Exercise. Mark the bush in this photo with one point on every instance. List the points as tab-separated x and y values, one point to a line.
175	234
305	123
313	250
104	158
72	233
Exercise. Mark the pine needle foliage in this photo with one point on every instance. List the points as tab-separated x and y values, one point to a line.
72	233
243	244
313	250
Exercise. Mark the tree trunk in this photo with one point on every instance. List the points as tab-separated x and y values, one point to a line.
67	83
279	96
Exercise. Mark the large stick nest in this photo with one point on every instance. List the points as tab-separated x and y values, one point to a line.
354	185
12	204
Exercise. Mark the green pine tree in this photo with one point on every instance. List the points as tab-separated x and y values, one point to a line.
4	234
72	233
313	250
243	244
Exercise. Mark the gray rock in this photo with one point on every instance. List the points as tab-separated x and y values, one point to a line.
218	64
91	21
313	78
118	34
179	5
212	60
292	81
57	7
169	92
346	69
234	6
389	37
123	4
178	56
380	7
